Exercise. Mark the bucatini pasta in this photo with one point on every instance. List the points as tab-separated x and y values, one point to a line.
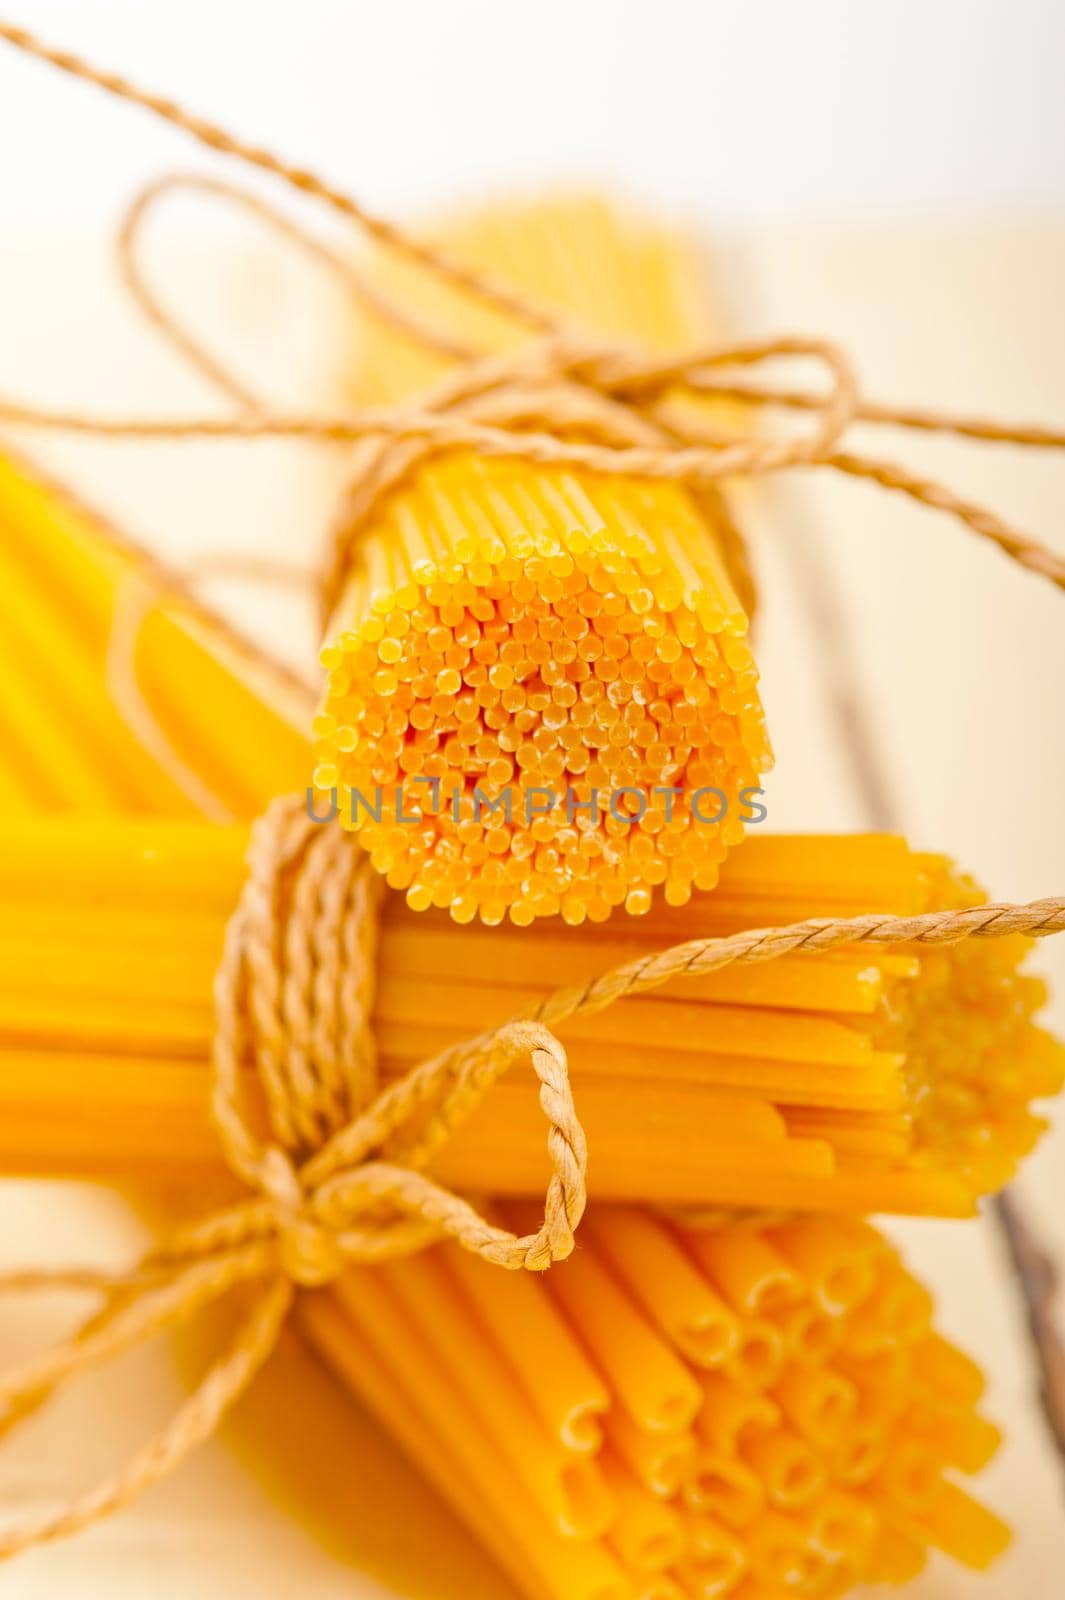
821	1468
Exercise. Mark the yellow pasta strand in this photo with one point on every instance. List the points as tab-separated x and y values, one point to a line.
664	1281
568	1488
542	1351
648	1533
717	1561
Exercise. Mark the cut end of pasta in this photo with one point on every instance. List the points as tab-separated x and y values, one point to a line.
975	1058
816	1474
546	704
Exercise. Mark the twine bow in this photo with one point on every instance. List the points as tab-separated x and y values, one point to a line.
340	1168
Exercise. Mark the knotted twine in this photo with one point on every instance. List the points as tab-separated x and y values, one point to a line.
336	1165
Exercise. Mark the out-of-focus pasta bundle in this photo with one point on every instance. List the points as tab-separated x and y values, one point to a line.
236	725
515	632
870	1079
754	1410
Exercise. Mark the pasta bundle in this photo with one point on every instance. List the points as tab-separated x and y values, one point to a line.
754	1410
864	1080
234	731
540	697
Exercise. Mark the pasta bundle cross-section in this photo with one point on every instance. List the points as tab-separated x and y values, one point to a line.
748	1410
540	696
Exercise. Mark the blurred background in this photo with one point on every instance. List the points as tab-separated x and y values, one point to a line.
890	175
740	111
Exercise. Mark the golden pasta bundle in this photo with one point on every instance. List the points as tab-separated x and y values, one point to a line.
752	1410
869	1079
540	697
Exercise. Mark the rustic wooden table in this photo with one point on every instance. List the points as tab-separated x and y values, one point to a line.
913	680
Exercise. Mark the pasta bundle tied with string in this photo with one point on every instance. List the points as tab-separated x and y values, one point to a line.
501	632
649	1351
522	766
861	1079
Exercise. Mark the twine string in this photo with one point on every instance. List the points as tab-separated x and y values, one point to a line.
396	440
140	593
562	406
194	350
483	286
134	275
